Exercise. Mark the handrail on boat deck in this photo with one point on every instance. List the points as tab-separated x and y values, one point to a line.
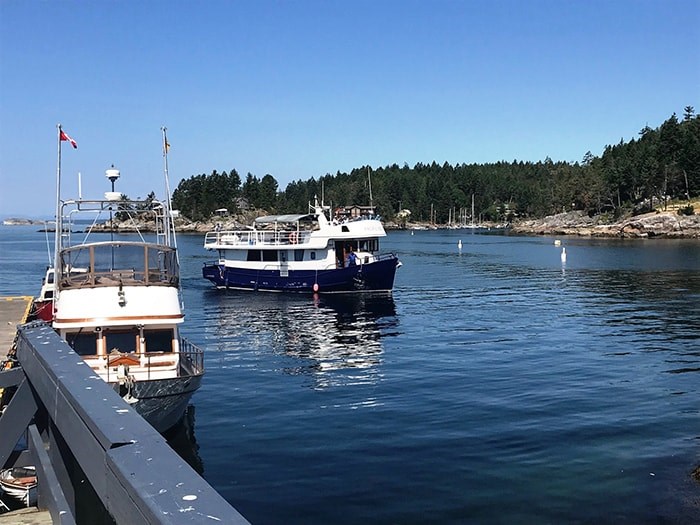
256	237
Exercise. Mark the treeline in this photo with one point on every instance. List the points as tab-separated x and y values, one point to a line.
662	162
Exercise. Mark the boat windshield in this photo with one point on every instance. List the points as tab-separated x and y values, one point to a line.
110	264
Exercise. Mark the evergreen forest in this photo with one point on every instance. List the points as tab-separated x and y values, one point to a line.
633	176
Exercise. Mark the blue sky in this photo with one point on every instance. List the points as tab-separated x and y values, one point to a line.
298	89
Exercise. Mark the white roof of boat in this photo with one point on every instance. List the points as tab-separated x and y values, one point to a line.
269	219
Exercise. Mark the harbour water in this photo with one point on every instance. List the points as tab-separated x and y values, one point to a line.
496	384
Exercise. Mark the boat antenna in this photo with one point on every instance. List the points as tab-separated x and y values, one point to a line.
48	244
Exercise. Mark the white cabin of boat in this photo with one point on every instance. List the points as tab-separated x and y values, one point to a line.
299	241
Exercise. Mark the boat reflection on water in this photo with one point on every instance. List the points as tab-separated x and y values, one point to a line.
335	339
182	440
344	334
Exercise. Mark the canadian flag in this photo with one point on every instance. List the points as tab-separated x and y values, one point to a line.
64	136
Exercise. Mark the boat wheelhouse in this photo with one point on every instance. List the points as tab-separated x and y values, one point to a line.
302	253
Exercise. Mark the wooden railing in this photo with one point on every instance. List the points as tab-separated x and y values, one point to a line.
90	447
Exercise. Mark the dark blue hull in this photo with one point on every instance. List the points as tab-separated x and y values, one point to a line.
375	276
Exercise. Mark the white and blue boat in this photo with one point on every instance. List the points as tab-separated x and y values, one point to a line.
302	253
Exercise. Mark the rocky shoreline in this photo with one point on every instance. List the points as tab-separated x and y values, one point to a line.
657	224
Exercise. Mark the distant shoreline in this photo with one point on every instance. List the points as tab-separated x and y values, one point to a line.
657	224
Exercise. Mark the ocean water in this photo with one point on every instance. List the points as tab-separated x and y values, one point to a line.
495	385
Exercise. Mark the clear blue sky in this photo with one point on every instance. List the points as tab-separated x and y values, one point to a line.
298	89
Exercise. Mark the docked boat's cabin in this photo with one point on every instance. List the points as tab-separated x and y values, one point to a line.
110	264
147	353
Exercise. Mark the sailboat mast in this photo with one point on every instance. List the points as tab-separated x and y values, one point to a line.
472	209
369	180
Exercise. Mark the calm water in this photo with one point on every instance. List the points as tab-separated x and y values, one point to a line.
495	386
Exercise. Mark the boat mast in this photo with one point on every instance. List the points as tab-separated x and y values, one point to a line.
168	226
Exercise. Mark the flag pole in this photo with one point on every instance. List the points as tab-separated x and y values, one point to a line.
59	225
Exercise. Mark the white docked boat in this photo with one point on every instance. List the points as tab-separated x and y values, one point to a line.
302	253
117	302
20	483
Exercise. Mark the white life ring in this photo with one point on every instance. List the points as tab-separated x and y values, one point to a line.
294	237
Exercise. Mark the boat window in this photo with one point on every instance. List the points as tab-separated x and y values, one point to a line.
369	245
254	255
49	278
158	340
313	256
283	255
82	343
269	255
299	255
123	341
48	294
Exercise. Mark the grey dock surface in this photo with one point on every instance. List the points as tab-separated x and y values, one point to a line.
13	311
29	516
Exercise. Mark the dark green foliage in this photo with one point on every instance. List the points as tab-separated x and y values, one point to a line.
686	210
198	196
662	162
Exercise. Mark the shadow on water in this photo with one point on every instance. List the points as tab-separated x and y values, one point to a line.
182	440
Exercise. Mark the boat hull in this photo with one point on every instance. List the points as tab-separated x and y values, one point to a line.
161	402
375	276
20	483
43	310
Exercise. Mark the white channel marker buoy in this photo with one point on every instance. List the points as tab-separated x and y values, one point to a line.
459	244
563	255
557	242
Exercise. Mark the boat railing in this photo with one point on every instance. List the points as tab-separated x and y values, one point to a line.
191	357
247	238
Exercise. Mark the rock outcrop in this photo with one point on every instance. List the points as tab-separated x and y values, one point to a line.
654	224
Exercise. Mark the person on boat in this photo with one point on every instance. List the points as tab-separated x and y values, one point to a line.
351	259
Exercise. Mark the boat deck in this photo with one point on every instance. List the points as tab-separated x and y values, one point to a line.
13	311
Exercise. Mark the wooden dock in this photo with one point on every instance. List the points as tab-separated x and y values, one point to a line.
13	311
